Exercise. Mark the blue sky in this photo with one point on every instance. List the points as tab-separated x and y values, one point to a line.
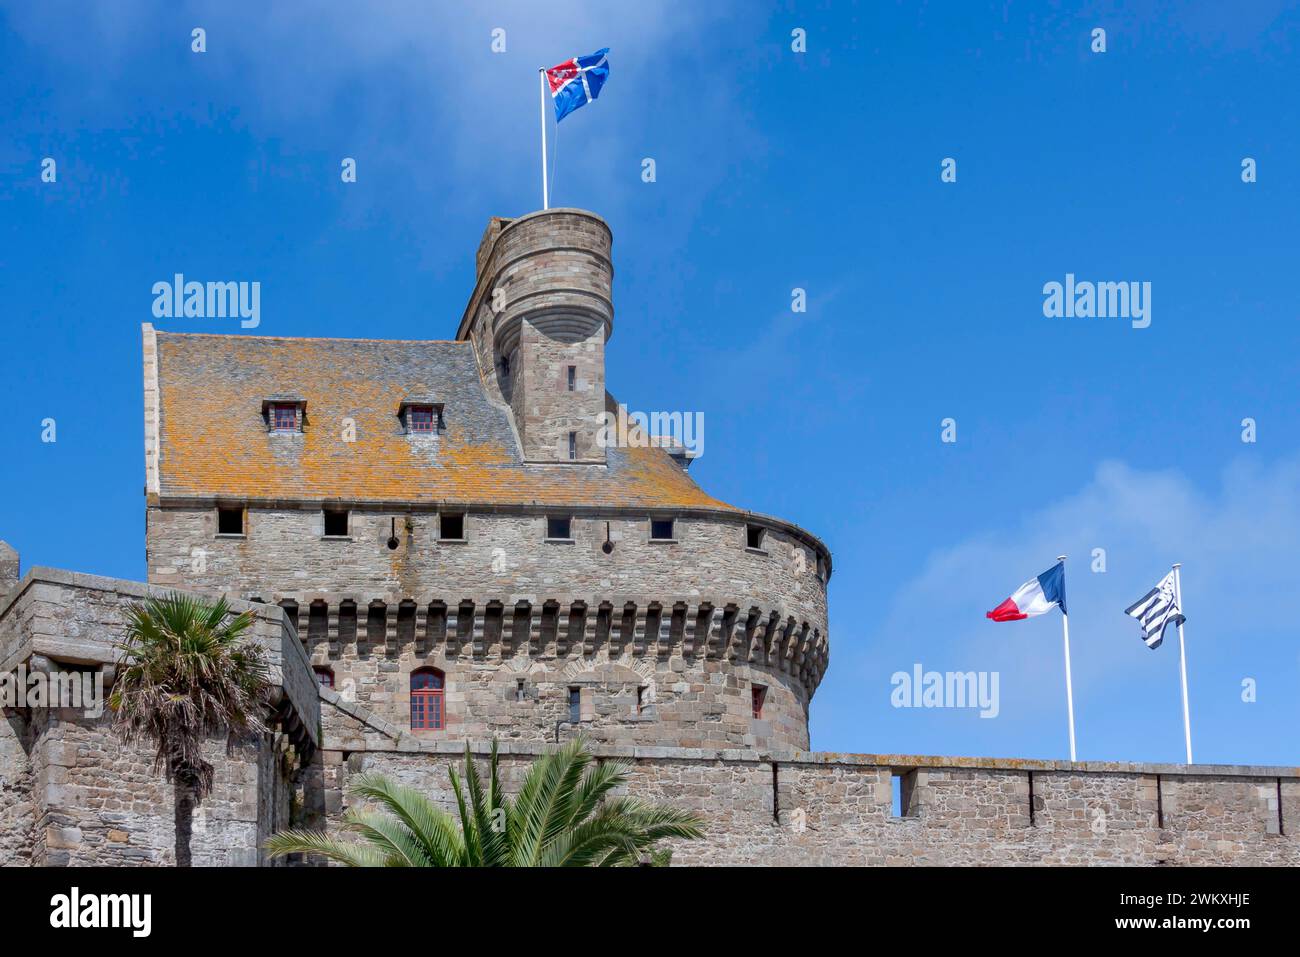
775	170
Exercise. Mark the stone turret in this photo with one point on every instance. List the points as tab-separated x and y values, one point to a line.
539	317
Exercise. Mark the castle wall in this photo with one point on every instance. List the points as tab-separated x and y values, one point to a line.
16	811
72	792
100	801
818	809
693	624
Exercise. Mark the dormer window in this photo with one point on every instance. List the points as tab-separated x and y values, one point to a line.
284	413
422	416
284	417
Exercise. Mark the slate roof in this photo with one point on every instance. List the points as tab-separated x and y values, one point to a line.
214	441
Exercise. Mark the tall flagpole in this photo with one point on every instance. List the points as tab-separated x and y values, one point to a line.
1182	659
541	97
1069	685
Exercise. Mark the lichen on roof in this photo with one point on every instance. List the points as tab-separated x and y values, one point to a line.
214	441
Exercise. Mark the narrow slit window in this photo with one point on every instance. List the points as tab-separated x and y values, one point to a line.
575	705
336	523
640	700
230	521
903	785
573	377
521	690
573	445
757	695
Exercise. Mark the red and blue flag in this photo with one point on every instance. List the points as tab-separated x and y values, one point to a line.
1035	597
577	82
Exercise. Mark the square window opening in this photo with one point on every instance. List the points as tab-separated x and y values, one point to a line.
661	529
336	523
451	527
755	536
559	528
230	521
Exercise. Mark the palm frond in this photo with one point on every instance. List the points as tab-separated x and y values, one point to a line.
430	826
351	853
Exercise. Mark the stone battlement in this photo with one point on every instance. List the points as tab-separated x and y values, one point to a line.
810	808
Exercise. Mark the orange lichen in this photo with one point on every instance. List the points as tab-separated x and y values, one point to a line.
215	443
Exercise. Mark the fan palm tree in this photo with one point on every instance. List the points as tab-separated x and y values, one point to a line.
562	817
186	671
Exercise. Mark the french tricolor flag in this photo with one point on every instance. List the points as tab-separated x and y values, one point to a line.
1034	597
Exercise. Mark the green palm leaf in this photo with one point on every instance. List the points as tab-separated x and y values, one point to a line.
562	817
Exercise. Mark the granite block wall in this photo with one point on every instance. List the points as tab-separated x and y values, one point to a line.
802	809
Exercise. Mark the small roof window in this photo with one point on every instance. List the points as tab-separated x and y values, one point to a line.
420	414
284	413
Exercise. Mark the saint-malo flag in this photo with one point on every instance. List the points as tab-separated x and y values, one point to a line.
577	82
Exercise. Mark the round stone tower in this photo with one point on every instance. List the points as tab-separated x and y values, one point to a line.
541	313
461	556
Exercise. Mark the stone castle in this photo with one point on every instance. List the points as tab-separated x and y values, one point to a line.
439	546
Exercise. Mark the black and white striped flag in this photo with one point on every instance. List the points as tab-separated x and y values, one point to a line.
1157	610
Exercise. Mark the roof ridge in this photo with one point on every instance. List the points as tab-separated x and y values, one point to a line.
236	335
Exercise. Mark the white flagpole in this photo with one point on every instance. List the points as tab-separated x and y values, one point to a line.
1069	684
1182	659
541	95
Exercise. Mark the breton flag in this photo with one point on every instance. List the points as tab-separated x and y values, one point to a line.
577	82
1156	611
1035	597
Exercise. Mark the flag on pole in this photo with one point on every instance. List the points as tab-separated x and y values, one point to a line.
1156	611
577	82
1035	597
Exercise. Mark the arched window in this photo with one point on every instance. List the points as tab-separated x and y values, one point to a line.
427	700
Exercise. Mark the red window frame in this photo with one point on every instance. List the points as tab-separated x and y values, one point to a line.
284	417
324	677
757	695
421	418
428	701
